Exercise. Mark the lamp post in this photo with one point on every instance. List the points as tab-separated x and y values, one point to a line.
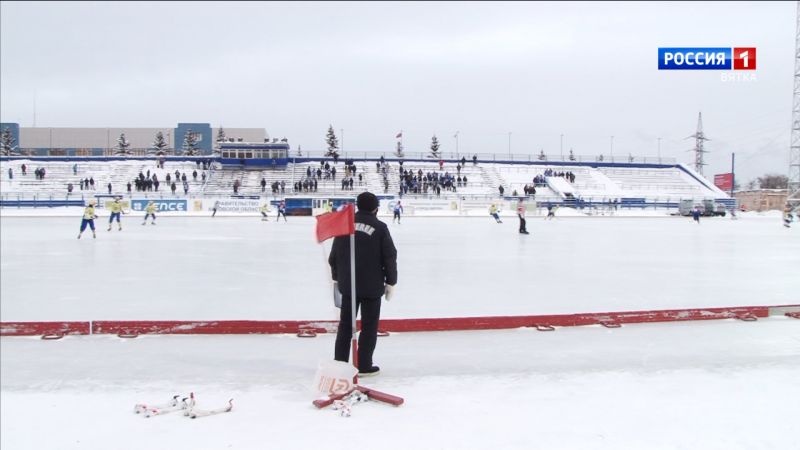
612	148
659	150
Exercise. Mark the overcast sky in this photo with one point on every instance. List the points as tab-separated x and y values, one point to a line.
538	70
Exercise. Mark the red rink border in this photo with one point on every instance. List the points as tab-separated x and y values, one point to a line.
306	328
48	330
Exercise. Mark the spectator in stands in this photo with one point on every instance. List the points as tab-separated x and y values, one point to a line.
10	174
43	172
91	182
109	188
185	188
194	173
168	178
81	184
24	169
129	187
183	177
475	160
263	184
501	189
173	187
441	164
69	188
203	177
75	169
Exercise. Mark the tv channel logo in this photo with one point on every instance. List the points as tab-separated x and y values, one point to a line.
706	58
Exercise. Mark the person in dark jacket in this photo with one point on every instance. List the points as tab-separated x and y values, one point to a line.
376	276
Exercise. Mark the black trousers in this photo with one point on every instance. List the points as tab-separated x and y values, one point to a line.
521	223
370	316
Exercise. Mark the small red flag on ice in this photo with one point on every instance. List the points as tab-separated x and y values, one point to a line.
399	135
339	223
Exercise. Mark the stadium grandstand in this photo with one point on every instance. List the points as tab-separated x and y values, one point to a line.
197	162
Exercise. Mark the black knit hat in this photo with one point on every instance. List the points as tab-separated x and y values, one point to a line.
367	201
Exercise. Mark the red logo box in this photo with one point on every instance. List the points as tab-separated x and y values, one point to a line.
744	58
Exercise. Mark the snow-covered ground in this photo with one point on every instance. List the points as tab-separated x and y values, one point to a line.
692	385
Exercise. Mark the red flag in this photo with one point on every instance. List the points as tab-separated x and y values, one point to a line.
339	223
399	135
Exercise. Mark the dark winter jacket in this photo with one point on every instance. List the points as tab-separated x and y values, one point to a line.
376	258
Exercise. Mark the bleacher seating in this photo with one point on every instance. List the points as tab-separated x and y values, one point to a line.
597	184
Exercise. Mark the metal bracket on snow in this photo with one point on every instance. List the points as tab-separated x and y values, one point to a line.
52	336
793	315
609	324
543	327
306	333
125	335
747	317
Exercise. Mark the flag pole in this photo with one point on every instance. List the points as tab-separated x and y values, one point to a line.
353	302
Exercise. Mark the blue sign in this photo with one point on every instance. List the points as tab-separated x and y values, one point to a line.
161	205
694	58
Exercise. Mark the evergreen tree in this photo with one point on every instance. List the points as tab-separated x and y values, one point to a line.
299	151
190	144
333	143
7	143
160	144
399	152
220	139
123	146
571	155
542	156
434	147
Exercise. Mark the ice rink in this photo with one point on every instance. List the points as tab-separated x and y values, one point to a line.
722	384
227	268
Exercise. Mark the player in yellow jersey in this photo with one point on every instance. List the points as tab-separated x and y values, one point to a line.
116	210
88	219
150	210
